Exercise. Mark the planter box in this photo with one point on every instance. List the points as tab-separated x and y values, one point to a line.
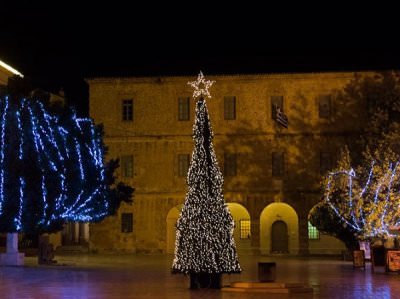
205	280
267	271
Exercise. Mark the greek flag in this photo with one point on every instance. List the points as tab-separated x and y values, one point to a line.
280	117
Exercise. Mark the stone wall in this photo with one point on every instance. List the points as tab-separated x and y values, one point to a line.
155	138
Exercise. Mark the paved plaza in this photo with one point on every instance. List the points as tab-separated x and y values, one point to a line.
148	276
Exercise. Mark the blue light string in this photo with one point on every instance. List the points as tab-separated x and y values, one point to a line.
50	121
336	211
369	228
21	132
36	139
2	148
50	145
17	220
78	151
385	209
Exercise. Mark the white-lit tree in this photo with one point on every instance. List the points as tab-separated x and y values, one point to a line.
364	193
205	247
366	200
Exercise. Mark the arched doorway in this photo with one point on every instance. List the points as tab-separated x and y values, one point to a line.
172	218
242	232
279	237
286	223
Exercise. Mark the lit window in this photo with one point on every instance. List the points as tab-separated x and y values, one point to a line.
127	110
313	233
127	166
183	109
245	229
229	108
126	222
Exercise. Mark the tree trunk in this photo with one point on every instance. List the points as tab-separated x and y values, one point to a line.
205	280
45	250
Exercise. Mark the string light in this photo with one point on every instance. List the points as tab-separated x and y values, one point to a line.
57	164
370	209
21	199
2	149
204	236
201	86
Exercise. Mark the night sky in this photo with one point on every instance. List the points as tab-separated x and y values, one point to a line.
57	45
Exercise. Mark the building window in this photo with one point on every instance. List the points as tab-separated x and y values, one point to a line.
278	163
126	222
184	109
276	102
325	162
325	106
127	110
127	166
313	233
245	229
229	164
183	164
229	108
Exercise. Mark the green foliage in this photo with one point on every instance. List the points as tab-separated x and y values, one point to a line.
379	96
119	192
326	221
371	210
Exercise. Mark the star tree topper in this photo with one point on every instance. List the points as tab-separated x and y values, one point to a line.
201	86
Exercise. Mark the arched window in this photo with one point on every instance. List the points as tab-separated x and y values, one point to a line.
313	233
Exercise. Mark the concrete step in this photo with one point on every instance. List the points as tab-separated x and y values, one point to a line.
72	249
267	287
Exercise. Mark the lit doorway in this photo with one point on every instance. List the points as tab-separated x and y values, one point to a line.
280	219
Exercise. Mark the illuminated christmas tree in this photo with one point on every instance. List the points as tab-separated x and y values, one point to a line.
205	246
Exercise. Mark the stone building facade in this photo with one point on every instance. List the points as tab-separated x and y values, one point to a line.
272	173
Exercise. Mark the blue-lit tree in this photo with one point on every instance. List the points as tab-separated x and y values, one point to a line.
205	247
51	169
